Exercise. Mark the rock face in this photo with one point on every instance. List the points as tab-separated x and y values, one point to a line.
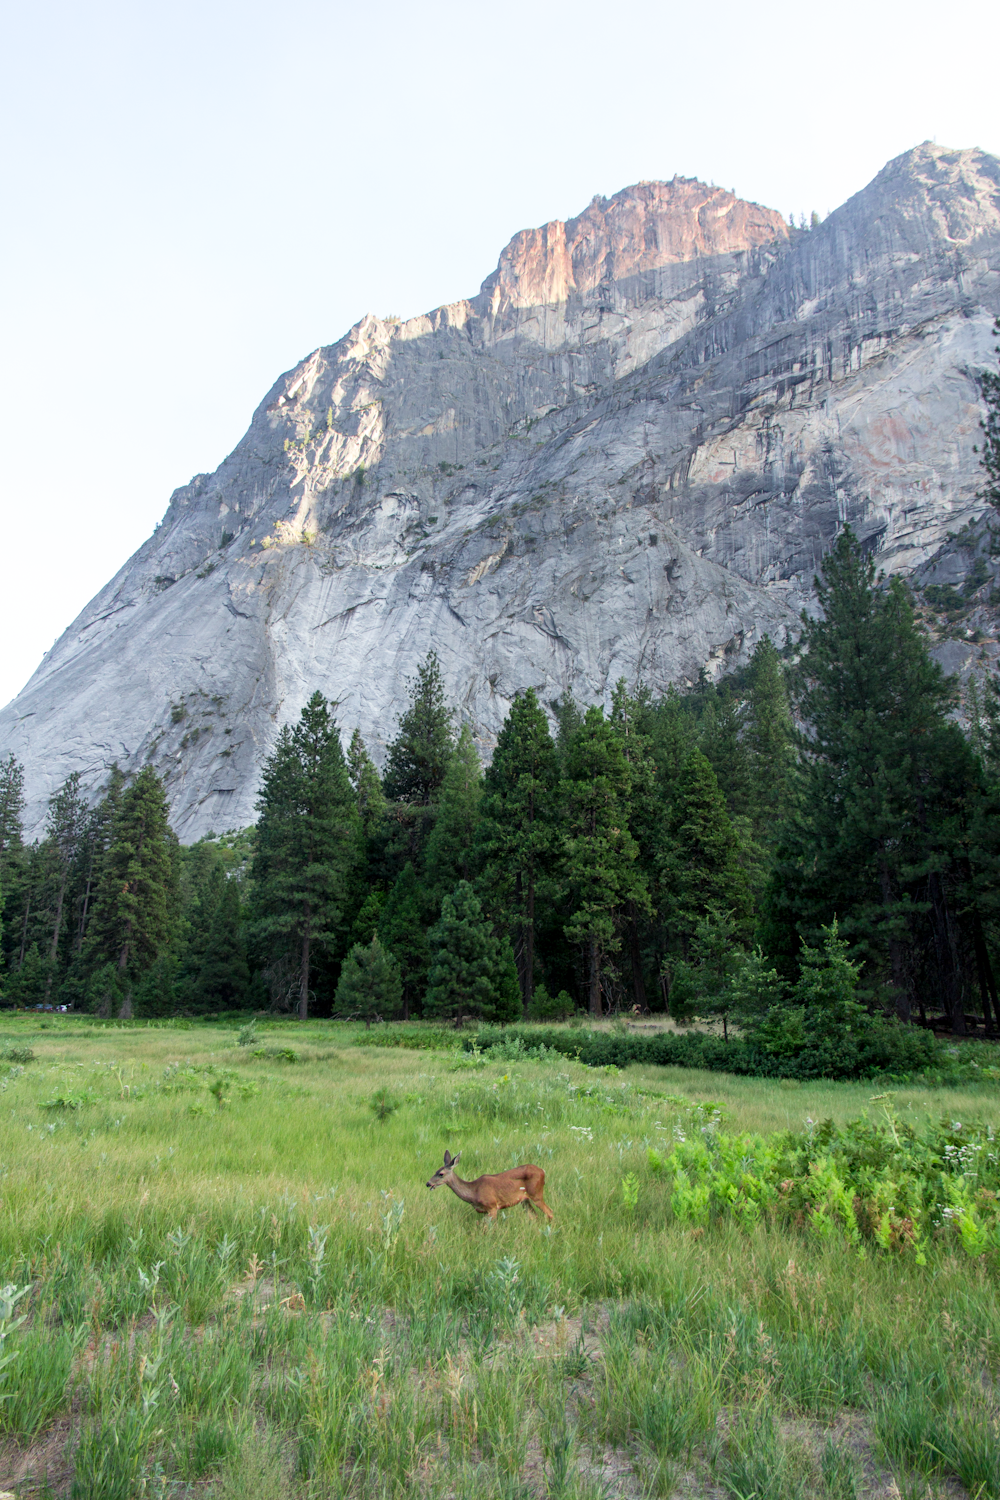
624	457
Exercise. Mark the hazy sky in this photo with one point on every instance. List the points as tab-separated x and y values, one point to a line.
197	195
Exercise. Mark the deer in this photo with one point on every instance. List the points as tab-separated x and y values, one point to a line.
490	1193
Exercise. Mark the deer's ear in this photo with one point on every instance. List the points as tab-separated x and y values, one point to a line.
448	1159
455	1157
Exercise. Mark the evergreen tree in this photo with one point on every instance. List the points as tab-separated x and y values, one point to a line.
628	717
133	907
769	737
64	831
517	835
307	840
224	978
724	743
11	810
886	784
599	869
418	757
29	983
451	846
702	859
465	974
402	929
369	915
368	793
989	456
370	987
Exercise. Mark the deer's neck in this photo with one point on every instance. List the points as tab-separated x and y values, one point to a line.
464	1190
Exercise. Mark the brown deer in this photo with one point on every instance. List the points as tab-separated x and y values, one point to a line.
494	1191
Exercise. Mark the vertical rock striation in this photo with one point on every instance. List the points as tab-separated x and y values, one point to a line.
625	456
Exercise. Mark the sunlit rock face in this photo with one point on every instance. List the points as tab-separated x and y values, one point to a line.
624	458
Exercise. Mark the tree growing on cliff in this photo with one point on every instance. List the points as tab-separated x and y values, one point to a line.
308	840
989	453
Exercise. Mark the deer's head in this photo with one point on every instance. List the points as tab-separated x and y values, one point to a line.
443	1174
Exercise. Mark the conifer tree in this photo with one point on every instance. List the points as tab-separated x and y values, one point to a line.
518	835
308	840
64	832
224	978
418	757
402	929
368	793
769	741
599	870
451	846
133	907
465	967
370	986
989	454
11	810
628	717
723	741
701	863
885	780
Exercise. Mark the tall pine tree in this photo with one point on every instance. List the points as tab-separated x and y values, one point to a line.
599	872
308	840
451	847
418	757
135	896
518	834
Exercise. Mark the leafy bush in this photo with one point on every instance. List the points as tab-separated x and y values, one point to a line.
880	1183
546	1007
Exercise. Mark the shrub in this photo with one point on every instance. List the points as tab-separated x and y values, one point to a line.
546	1007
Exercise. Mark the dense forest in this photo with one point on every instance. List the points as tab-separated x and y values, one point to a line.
809	848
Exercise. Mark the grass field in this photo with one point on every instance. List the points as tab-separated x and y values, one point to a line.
238	1285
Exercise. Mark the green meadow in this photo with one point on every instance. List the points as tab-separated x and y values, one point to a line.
224	1276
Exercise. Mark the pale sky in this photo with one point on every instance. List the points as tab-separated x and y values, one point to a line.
197	195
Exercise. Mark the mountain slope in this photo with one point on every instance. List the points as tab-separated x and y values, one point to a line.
625	456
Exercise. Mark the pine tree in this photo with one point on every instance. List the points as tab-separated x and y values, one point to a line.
628	717
64	831
225	974
451	846
370	986
702	860
769	738
885	782
418	757
465	959
989	455
11	810
599	870
133	908
368	793
308	840
723	741
517	835
402	929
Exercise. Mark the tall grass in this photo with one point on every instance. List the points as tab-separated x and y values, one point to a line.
237	1277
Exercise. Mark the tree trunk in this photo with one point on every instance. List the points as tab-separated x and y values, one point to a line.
24	927
304	977
56	929
595	978
987	981
896	955
82	928
638	987
945	955
529	943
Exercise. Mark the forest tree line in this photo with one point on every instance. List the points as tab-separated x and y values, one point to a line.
812	842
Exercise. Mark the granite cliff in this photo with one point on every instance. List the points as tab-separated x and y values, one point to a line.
624	457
